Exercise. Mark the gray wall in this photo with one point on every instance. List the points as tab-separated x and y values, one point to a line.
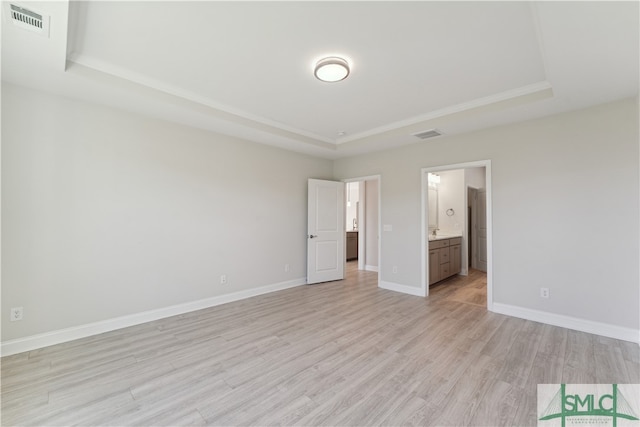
107	213
565	209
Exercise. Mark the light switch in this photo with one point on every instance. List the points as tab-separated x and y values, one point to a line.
387	227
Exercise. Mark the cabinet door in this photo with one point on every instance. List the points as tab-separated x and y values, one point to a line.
352	247
455	259
445	270
434	266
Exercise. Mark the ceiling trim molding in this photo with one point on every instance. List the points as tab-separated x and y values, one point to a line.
537	27
252	121
397	134
108	68
454	109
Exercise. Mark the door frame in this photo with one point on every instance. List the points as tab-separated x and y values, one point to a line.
425	221
377	178
472	248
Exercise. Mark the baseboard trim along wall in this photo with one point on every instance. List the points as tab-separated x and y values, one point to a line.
583	325
371	268
69	334
46	339
411	290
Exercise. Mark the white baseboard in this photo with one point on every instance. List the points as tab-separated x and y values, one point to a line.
401	288
583	325
46	339
371	268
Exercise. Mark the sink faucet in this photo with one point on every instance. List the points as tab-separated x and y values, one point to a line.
434	232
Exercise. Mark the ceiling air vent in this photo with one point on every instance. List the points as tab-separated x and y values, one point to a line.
431	133
29	20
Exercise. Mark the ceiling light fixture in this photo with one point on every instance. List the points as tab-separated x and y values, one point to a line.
331	69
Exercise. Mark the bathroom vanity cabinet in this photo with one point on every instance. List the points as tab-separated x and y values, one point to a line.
445	258
352	245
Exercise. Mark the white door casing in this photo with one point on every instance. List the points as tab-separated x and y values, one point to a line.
481	224
473	229
325	231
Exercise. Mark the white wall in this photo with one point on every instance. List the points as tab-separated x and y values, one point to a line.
106	213
554	181
475	177
451	196
372	227
352	191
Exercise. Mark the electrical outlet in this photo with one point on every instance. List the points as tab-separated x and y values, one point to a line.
286	268
544	292
223	279
395	269
16	314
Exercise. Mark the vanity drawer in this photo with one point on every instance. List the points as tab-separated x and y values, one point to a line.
444	256
455	241
437	244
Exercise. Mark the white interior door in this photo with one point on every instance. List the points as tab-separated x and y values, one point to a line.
326	231
482	229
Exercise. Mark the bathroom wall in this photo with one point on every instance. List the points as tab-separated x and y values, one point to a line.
352	191
475	177
451	196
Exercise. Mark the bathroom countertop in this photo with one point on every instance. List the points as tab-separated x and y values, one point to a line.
443	237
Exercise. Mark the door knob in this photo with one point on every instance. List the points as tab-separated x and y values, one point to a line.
311	236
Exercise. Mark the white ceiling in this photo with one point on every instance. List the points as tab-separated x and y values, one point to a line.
246	68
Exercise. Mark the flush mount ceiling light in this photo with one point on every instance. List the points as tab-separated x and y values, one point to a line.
331	69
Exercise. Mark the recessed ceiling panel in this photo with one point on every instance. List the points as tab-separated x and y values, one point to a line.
256	59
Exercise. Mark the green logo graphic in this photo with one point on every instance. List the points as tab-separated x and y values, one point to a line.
564	405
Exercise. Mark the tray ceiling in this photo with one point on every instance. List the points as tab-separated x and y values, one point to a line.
246	68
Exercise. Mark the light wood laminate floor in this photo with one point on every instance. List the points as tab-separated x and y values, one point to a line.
338	353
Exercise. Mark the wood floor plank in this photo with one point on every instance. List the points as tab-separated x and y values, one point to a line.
410	406
498	405
580	364
610	366
337	353
519	359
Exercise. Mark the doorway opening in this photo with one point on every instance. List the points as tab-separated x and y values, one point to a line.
362	224
456	227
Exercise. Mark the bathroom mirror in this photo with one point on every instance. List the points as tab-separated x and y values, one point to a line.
433	208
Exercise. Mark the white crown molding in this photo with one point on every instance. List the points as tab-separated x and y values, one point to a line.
535	16
397	287
249	119
46	339
577	324
243	118
458	108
